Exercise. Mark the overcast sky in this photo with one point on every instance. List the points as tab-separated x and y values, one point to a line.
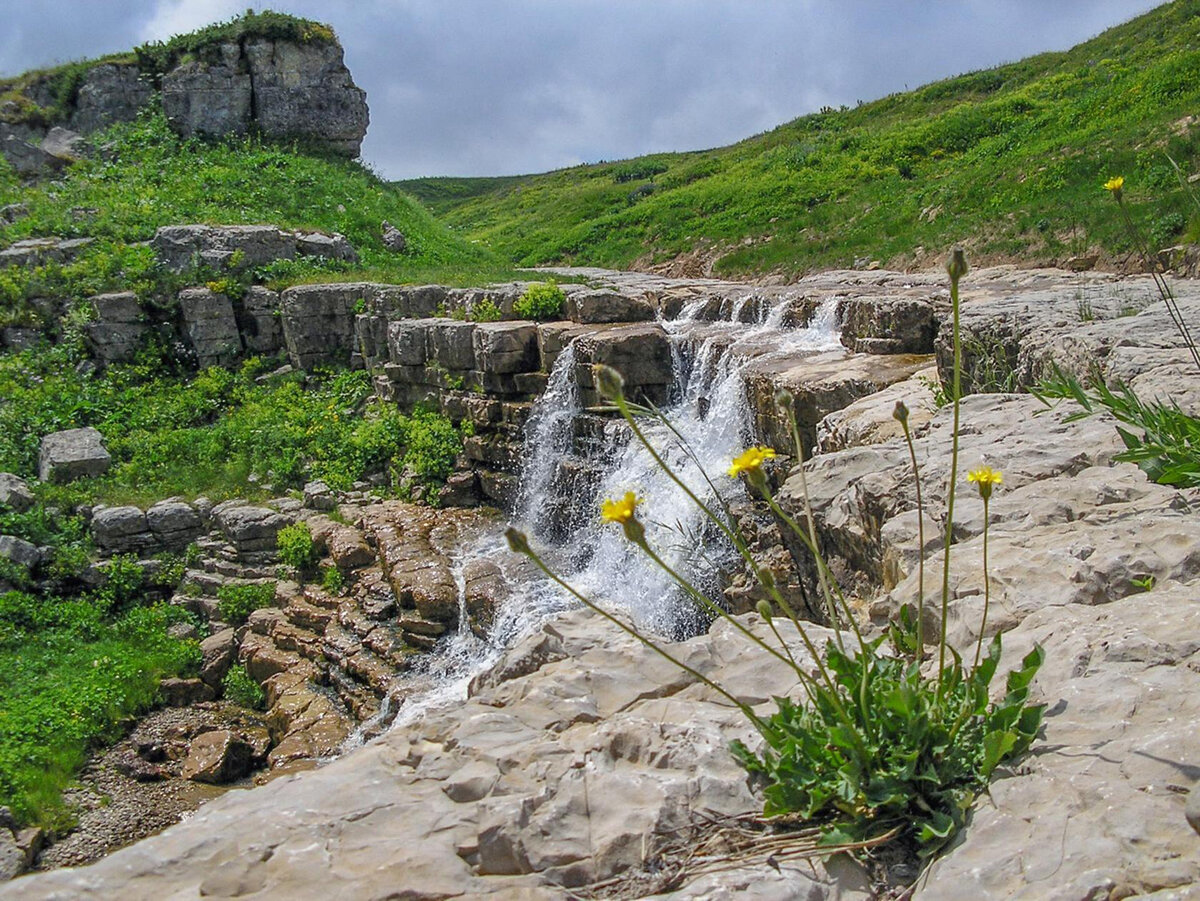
497	87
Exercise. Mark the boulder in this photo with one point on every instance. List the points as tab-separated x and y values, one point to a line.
217	757
122	530
641	353
210	327
72	454
319	496
28	159
252	530
185	692
118	327
65	144
174	524
12	858
888	325
589	307
14	493
393	238
821	384
23	553
506	347
348	549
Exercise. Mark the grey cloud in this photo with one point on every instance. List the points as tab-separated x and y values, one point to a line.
487	87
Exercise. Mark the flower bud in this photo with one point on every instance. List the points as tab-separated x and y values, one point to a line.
517	542
608	380
764	610
956	266
634	531
784	399
900	413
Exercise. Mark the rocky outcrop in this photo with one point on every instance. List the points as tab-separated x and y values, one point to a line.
117	330
282	89
237	248
14	493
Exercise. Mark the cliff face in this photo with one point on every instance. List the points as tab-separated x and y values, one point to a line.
281	88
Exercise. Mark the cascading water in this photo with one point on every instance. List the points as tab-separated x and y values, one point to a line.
709	409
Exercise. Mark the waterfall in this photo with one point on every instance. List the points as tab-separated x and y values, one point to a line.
560	491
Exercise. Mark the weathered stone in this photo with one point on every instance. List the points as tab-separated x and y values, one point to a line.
19	551
820	384
210	326
12	858
174	523
1192	811
460	490
871	419
506	347
210	96
318	322
65	144
907	325
641	353
122	530
72	454
406	341
251	529
118	328
185	692
319	496
18	338
348	549
28	159
36	251
450	343
258	321
393	238
14	493
109	93
331	247
501	488
303	90
218	757
553	338
588	307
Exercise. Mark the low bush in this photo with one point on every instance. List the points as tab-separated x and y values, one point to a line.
237	600
297	548
242	690
540	301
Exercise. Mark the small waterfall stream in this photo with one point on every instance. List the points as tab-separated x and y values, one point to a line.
561	489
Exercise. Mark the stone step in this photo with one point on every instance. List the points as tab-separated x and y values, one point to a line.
206	582
360	700
368	668
290	637
340	644
308	616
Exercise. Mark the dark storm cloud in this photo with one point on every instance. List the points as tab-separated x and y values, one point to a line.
486	87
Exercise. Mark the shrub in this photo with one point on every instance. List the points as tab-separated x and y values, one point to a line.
237	600
543	300
486	311
243	690
296	547
123	583
332	579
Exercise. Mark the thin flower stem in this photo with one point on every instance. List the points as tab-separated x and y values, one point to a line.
1164	290
812	549
949	536
592	605
912	455
787	650
709	605
987	584
822	577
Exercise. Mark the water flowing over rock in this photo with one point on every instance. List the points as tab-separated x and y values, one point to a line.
534	748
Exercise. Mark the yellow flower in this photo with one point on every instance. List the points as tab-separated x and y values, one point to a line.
986	478
1115	184
620	511
750	460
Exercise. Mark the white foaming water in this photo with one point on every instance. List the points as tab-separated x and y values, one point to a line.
709	409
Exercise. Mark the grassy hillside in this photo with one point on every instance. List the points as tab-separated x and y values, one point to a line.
442	194
1008	161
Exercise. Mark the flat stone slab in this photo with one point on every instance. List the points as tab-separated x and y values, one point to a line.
72	454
